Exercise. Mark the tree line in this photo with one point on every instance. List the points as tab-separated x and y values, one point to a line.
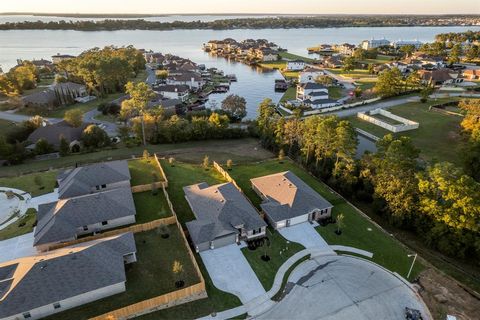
285	22
105	70
438	201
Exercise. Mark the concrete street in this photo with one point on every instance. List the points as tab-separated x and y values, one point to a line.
342	287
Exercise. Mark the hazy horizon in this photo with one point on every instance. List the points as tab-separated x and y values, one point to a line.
253	7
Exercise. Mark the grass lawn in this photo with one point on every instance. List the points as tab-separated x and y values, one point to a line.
274	64
291	74
438	137
27	182
266	271
6	126
386	119
150	207
85	107
184	174
21	226
149	277
366	83
379	60
144	171
290	94
334	92
217	301
387	252
239	150
291	56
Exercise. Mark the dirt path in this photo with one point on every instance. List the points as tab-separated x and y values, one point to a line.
444	296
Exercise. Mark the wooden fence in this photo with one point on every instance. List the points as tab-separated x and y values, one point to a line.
135	229
226	175
184	295
153	185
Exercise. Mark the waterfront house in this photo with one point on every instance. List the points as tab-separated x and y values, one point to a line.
266	54
191	79
295	65
223	215
56	59
471	74
171	91
402	43
38	286
346	49
333	62
314	95
374	43
288	200
309	75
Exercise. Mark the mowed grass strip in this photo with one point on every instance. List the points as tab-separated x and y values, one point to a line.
144	171
147	278
21	226
36	184
150	206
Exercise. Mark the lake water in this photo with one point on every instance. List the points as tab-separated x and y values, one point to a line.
252	84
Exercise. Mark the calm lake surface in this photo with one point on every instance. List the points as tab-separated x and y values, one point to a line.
252	84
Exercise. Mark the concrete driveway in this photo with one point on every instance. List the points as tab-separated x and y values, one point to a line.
46	198
306	235
230	272
344	288
17	247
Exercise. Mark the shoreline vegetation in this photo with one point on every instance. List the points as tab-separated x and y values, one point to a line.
273	22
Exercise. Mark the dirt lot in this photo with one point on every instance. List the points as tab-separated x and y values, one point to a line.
240	151
444	296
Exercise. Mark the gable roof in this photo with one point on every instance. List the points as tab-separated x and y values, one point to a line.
81	180
219	210
60	221
313	86
52	133
40	280
287	196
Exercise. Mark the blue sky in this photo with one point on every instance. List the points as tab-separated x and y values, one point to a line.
243	6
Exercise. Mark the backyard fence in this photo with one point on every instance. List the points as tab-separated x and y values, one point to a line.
153	185
135	229
404	124
171	299
226	175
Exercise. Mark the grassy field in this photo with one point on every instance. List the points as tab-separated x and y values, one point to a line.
280	64
184	174
264	270
149	277
290	94
27	182
239	150
150	207
144	171
438	137
291	56
359	232
379	60
335	92
21	226
6	126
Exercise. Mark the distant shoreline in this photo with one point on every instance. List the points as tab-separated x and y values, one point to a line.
265	22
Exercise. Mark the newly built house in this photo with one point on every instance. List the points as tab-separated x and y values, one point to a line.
223	214
287	200
66	219
93	178
37	286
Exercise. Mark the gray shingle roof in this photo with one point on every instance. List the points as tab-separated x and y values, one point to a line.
57	275
80	181
219	209
53	132
287	196
60	220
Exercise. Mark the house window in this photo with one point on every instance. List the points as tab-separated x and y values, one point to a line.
104	186
56	305
97	187
27	315
104	223
85	228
